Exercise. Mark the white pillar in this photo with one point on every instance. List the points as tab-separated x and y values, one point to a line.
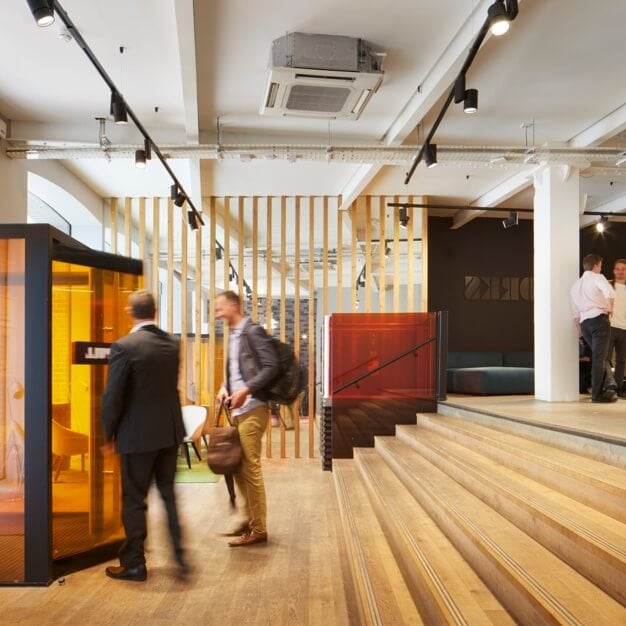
556	260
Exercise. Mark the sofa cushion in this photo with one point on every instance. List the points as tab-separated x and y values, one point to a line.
473	359
518	359
492	380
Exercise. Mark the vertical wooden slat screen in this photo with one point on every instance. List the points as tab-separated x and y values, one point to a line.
382	257
410	281
113	224
268	304
424	231
368	255
283	301
198	361
339	260
212	291
170	265
311	330
396	260
197	344
240	247
156	248
353	259
184	271
255	259
325	258
142	228
128	215
296	306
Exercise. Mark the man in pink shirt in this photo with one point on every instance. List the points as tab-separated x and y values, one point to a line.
592	305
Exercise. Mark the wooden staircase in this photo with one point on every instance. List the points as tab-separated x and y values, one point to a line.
457	522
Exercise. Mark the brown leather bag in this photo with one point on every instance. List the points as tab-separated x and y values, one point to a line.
224	447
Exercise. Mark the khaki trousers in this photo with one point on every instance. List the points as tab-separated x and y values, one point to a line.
249	477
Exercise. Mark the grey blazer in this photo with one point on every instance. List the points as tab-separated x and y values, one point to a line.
140	405
258	361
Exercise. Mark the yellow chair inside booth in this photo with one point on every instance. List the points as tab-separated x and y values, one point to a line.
67	443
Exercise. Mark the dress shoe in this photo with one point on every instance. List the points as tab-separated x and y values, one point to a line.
606	397
248	539
242	529
119	572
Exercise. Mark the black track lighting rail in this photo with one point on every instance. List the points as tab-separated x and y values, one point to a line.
149	142
511	12
452	207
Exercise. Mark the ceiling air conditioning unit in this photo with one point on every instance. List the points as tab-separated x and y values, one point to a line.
323	76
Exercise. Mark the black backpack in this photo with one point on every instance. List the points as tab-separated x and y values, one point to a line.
291	378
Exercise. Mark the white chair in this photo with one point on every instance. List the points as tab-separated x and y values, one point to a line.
194	417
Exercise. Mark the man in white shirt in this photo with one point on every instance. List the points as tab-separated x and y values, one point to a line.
618	325
592	306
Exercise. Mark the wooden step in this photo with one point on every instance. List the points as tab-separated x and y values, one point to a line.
591	542
534	585
583	442
444	587
384	598
591	482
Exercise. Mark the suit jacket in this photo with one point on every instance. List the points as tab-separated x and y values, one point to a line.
141	406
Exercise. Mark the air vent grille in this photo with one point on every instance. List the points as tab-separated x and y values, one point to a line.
316	98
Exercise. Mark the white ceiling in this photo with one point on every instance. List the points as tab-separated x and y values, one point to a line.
561	66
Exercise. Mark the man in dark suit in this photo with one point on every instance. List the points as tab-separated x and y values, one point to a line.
141	414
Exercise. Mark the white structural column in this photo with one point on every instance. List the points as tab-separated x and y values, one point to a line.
556	260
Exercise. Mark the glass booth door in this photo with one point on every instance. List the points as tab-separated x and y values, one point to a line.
88	314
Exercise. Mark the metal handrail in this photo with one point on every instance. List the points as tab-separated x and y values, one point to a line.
385	364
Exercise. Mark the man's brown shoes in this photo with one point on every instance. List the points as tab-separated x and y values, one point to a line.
248	539
242	529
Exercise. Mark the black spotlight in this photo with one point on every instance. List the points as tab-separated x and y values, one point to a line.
403	217
43	11
470	105
147	148
180	198
118	108
173	191
140	159
218	253
511	220
192	219
601	225
430	155
498	18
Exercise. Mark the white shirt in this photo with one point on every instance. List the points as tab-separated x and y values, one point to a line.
619	308
590	296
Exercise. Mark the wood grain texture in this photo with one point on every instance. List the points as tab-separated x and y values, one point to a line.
296	578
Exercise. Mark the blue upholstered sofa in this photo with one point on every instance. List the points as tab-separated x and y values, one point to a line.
491	373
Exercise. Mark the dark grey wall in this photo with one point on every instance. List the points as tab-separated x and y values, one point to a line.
610	245
482	275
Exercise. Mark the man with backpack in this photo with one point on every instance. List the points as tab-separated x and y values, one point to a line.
251	366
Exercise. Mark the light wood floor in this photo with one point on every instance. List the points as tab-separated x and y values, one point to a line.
300	577
585	417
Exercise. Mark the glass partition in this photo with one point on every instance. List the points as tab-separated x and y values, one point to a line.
378	376
12	385
87	316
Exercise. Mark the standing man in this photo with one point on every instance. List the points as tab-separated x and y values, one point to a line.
251	365
618	325
142	416
592	305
